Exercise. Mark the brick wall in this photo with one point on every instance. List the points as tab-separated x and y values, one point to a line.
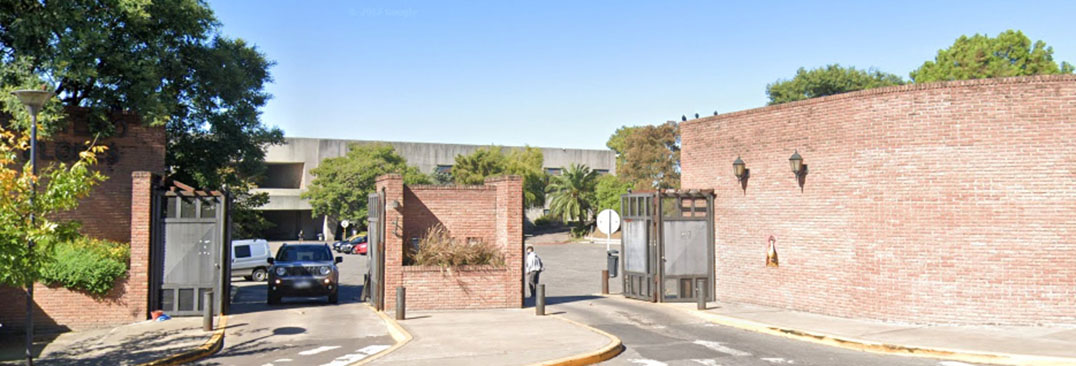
492	212
933	203
58	308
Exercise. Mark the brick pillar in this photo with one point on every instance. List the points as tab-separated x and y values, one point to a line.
391	185
509	226
141	217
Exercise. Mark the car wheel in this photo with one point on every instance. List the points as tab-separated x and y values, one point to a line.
334	298
259	274
273	298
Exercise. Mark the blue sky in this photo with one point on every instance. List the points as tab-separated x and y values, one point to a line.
567	74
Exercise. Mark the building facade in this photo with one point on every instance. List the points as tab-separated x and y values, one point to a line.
939	203
289	166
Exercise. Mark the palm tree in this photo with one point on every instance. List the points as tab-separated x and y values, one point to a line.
572	194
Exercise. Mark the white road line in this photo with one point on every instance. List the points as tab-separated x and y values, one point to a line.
954	363
706	362
646	362
357	356
318	350
777	360
721	348
283	360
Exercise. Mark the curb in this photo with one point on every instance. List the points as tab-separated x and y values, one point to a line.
215	343
397	332
610	350
882	348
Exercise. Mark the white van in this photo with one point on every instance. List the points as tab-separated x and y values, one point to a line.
249	259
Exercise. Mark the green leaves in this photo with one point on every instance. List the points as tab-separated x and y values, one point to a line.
87	264
1011	53
648	156
341	186
492	161
572	194
828	80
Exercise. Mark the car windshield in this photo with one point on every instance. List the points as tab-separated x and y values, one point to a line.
358	240
303	253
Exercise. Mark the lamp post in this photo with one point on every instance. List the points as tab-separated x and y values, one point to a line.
34	100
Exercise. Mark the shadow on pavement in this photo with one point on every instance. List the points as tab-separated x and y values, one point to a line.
554	300
252	299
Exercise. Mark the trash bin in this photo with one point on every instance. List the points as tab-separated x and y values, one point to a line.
612	262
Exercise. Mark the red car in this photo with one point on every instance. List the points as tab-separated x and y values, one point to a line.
361	247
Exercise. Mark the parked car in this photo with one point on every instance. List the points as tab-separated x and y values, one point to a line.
342	245
304	270
361	247
248	259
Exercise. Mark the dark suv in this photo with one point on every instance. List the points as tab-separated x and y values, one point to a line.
304	270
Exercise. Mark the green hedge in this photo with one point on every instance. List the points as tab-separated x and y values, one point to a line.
86	264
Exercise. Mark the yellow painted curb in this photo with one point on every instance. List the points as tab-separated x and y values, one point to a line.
213	345
397	332
610	350
882	348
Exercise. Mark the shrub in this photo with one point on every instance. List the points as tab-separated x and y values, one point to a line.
546	220
438	248
87	264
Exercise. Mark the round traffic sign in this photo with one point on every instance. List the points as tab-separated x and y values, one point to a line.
608	221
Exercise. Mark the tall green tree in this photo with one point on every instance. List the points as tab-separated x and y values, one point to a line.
571	194
167	62
608	190
648	156
827	80
492	161
1011	53
342	185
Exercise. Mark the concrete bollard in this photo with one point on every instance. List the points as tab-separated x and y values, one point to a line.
401	294
539	303
700	296
605	282
207	311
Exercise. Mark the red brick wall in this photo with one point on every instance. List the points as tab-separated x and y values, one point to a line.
933	203
58	308
493	212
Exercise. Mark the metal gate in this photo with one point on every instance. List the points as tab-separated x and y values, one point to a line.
668	245
189	255
376	252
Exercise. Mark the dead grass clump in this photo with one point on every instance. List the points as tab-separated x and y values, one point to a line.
438	248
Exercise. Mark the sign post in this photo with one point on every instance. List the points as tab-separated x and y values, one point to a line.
608	223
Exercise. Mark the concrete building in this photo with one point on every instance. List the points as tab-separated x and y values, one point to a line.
289	175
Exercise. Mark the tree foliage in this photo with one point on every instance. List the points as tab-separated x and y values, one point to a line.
1011	53
827	80
493	161
571	196
648	156
342	185
89	265
167	62
608	190
60	186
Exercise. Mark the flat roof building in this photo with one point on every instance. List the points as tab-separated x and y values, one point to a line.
289	166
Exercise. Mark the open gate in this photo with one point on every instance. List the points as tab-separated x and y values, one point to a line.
375	252
668	245
189	254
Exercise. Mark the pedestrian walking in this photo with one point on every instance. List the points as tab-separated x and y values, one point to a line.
534	269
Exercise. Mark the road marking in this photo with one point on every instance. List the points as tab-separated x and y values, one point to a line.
706	362
777	360
646	362
318	350
359	354
954	363
283	360
721	348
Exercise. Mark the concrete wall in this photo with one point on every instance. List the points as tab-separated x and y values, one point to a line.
929	203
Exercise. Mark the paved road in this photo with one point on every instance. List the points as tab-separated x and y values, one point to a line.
302	331
655	335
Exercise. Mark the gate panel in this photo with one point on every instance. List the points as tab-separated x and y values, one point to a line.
668	245
639	248
375	252
191	254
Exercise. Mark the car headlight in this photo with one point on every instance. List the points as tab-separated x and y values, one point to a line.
325	270
280	271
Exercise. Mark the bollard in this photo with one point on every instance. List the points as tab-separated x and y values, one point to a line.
401	293
605	282
700	296
539	303
207	311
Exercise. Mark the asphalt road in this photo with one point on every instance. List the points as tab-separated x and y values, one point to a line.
656	335
302	331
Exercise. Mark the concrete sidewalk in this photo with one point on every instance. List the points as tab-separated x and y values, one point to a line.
497	337
130	344
980	344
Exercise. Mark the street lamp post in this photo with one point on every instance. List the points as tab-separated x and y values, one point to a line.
34	100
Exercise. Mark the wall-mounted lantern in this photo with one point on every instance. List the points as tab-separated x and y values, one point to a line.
741	172
798	168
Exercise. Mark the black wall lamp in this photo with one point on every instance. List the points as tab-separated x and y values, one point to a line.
798	168
741	172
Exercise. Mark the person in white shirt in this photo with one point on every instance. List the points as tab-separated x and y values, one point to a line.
533	270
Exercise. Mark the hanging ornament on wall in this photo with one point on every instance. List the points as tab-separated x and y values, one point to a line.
771	253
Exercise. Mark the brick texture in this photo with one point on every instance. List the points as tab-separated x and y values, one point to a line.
492	212
943	203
